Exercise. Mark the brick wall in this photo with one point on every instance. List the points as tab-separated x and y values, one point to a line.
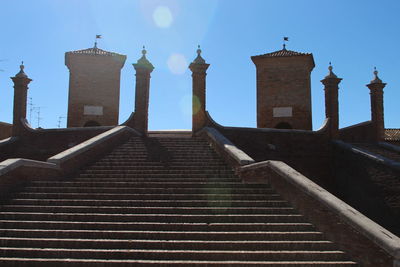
284	82
369	186
94	81
5	130
306	151
358	133
41	144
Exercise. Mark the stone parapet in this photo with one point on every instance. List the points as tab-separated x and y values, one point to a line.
225	148
364	240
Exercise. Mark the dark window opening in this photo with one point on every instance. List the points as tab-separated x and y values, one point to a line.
91	124
283	125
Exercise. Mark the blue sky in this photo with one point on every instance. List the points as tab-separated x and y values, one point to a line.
354	35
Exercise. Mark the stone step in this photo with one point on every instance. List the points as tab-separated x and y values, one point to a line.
150	226
166	244
153	190
184	151
158	180
142	184
158	172
151	203
163	196
159	167
142	254
173	162
159	217
164	235
151	175
184	207
175	158
41	262
198	164
147	210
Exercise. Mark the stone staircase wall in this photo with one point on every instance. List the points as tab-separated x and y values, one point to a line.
368	183
183	206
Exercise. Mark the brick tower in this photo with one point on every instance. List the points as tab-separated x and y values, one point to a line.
284	89
94	82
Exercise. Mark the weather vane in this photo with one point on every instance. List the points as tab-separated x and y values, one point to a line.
285	39
98	36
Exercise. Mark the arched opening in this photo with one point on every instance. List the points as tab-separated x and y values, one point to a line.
283	125
91	124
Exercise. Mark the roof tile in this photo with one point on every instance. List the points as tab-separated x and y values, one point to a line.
95	51
392	134
283	53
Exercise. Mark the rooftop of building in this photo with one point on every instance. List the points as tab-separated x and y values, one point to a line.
392	134
283	53
95	51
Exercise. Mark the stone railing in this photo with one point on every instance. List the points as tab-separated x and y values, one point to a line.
225	148
16	172
363	239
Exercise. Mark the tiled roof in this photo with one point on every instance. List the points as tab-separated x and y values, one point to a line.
95	51
392	134
283	53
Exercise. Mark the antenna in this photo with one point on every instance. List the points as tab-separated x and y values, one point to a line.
37	109
59	120
31	108
38	117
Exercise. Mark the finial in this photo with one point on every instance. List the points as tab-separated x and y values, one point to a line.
376	78
21	72
143	62
284	46
199	59
330	74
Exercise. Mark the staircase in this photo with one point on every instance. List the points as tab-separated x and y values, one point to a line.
158	201
376	149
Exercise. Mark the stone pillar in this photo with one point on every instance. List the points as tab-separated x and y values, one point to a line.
377	116
21	82
198	68
141	116
331	83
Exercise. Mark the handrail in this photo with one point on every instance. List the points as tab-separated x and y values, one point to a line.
301	185
369	155
226	147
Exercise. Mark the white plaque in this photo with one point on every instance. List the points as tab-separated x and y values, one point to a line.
93	110
282	112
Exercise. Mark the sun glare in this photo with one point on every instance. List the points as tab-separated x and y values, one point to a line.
177	63
162	17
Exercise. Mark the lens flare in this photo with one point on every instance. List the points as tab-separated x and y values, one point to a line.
177	63
162	17
196	105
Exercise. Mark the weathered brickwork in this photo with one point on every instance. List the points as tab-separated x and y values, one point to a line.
371	187
5	130
94	83
283	84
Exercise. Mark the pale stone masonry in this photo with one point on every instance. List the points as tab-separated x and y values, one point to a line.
94	85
